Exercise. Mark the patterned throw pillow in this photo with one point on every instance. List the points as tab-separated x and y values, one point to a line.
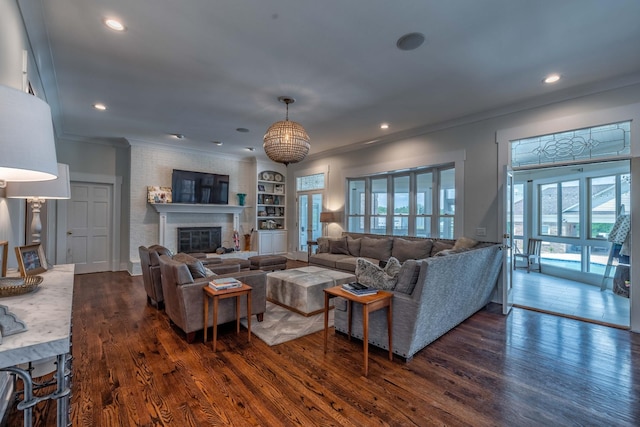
372	275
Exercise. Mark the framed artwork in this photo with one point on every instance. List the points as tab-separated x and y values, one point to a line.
278	189
31	259
260	187
157	194
4	252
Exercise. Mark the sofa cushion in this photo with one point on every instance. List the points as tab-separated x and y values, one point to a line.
323	245
325	260
338	246
408	276
348	263
354	246
376	248
439	246
464	243
411	249
196	268
372	275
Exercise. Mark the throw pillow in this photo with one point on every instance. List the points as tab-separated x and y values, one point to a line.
465	243
196	268
411	249
338	246
323	245
370	274
408	276
376	248
354	246
439	246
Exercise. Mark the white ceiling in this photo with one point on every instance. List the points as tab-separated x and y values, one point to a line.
204	68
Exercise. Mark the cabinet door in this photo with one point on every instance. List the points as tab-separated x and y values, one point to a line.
279	242
265	246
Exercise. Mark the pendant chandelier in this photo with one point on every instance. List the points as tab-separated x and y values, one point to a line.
286	141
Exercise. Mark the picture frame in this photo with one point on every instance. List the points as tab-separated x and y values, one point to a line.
31	259
4	253
261	187
156	194
278	189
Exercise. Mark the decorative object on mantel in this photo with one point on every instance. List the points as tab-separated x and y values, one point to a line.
9	322
241	198
37	192
286	141
31	259
12	286
157	194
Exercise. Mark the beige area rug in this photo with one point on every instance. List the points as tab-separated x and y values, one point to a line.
281	325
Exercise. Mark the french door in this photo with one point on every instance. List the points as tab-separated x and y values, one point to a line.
309	227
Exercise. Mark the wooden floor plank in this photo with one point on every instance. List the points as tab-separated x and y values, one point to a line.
131	368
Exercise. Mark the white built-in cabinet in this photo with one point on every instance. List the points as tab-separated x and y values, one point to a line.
271	213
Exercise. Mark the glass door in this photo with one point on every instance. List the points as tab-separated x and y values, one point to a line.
309	226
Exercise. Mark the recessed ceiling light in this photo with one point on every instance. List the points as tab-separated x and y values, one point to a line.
410	41
100	106
218	143
114	24
251	149
552	78
242	130
384	126
177	135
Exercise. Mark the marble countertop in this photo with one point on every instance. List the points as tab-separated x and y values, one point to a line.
47	315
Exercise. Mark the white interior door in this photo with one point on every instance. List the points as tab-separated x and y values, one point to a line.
507	236
89	227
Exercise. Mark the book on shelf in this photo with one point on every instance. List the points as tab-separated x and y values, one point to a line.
359	289
225	283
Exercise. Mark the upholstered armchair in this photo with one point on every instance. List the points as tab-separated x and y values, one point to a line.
184	298
150	265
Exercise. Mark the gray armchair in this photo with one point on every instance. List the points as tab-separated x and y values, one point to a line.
150	265
184	298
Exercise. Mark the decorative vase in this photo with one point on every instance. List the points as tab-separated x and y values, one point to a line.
241	198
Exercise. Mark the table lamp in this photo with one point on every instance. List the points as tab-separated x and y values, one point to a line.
36	192
26	138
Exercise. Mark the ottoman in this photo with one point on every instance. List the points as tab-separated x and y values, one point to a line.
268	262
301	289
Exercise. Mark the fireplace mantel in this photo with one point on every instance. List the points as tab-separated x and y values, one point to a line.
164	209
196	208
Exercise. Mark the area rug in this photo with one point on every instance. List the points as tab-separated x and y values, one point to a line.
282	325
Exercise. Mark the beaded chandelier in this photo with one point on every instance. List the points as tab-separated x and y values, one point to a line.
286	141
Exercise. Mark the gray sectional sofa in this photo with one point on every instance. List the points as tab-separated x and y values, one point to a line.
434	293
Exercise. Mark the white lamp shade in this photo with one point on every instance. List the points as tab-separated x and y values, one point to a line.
27	145
58	188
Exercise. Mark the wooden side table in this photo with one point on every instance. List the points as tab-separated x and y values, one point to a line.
370	303
236	293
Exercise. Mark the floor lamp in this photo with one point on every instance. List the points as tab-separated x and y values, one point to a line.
36	192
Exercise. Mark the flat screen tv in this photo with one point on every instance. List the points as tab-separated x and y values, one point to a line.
199	187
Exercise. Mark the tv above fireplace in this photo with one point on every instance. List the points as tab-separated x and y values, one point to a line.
199	187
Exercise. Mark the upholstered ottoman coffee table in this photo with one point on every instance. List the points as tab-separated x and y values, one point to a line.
301	289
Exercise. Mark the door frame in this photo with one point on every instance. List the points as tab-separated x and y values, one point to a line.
577	121
116	210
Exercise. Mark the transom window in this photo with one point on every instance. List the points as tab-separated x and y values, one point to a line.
415	203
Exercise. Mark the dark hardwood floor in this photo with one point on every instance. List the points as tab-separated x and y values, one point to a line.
527	369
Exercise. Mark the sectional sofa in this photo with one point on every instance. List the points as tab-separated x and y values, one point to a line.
436	290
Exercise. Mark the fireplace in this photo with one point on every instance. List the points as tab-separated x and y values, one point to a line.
199	239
